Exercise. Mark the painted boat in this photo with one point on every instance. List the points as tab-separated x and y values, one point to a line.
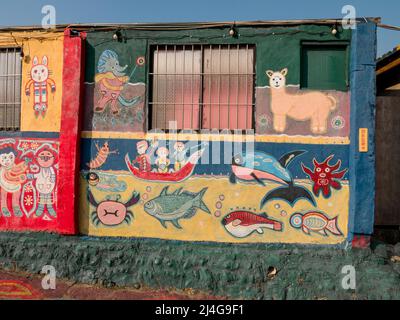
176	176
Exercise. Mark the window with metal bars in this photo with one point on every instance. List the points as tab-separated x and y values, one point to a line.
10	88
202	86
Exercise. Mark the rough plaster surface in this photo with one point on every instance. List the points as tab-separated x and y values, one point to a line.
236	271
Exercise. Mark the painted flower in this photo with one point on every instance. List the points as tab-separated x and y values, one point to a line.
338	122
28	200
25	145
140	61
28	188
34	145
264	121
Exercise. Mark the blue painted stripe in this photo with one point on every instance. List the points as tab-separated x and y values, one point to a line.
29	134
277	150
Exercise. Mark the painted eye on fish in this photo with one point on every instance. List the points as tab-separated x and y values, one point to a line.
149	205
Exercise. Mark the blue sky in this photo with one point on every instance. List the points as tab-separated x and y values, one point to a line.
28	12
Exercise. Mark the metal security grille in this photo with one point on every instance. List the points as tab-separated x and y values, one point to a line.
10	88
202	86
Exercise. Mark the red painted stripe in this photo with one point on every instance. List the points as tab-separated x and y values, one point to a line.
67	185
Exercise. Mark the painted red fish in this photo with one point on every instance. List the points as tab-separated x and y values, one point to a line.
315	221
241	224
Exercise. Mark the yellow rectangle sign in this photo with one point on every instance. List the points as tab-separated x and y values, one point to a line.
363	140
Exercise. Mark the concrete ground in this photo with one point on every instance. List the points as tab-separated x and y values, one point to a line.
24	286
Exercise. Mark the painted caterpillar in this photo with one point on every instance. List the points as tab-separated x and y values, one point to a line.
101	157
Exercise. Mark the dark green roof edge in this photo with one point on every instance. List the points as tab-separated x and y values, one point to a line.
183	25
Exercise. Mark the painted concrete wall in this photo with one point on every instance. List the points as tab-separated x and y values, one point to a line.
299	179
299	135
30	157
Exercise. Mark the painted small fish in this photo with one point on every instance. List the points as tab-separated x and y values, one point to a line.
315	221
177	205
241	224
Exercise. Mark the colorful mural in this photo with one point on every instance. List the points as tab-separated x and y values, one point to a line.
101	157
182	167
42	85
316	222
214	202
42	78
112	212
30	158
324	176
134	183
287	109
241	224
260	166
28	175
174	206
116	103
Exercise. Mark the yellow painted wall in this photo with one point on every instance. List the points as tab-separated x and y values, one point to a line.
222	197
208	227
40	44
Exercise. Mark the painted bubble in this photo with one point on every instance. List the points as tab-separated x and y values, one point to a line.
283	213
218	205
222	197
148	189
145	196
217	213
277	206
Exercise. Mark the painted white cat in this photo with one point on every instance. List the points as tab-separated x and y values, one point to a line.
40	81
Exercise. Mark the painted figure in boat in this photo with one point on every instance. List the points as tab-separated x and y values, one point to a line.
162	160
179	155
144	153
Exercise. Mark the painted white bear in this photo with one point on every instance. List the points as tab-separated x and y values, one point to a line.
304	105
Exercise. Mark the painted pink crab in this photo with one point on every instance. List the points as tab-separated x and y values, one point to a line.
325	176
112	212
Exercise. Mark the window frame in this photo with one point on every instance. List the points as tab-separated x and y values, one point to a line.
326	44
14	127
150	76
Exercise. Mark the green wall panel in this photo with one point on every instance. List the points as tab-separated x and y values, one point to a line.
276	47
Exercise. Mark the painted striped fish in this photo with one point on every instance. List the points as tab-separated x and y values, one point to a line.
316	222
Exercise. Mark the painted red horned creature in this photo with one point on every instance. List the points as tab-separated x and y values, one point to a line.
325	176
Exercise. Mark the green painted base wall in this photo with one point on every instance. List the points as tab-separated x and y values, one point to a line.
236	271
